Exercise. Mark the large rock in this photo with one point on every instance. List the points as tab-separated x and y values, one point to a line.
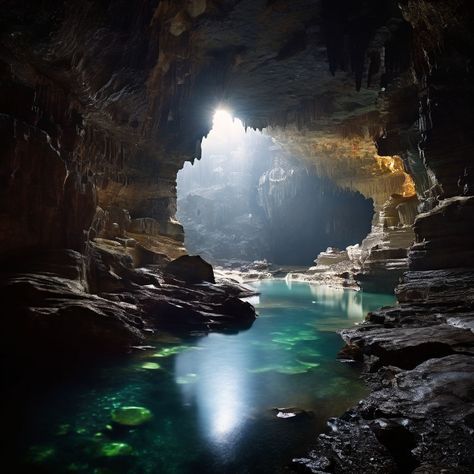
445	236
421	419
406	347
191	269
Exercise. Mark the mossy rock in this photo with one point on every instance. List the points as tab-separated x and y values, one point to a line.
131	416
308	364
170	351
114	449
150	366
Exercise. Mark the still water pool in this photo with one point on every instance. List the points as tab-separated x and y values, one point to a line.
207	402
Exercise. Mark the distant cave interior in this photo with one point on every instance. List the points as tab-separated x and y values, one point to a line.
246	199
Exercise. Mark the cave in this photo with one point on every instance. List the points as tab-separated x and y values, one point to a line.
295	295
247	200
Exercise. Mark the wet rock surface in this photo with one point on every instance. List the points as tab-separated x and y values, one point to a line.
54	303
191	269
419	361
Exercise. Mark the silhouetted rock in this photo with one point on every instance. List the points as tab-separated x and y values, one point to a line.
191	269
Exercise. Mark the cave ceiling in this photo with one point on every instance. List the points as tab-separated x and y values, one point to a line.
124	91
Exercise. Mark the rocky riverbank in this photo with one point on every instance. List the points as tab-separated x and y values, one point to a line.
419	361
82	305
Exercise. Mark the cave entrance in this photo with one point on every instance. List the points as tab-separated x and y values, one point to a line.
247	199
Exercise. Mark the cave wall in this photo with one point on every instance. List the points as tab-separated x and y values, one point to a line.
118	95
87	95
443	55
103	102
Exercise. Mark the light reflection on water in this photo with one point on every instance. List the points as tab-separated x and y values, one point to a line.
269	365
212	398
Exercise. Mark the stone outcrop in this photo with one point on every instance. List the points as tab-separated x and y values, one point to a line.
191	269
419	358
418	420
63	302
444	235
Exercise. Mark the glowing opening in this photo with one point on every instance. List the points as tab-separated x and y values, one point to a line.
224	124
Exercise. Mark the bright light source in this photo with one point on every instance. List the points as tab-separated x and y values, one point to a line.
224	125
222	120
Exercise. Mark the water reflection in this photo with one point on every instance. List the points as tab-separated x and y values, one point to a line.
350	303
219	385
276	363
211	398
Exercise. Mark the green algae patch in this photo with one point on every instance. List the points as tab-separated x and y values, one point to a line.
170	351
63	430
308	352
131	416
292	370
150	366
291	339
262	370
308	365
40	454
114	449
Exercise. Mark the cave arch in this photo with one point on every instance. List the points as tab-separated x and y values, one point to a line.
247	199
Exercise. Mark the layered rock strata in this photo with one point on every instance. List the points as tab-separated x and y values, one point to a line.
418	355
60	302
419	358
379	261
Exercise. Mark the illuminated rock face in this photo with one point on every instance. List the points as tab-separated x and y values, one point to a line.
249	199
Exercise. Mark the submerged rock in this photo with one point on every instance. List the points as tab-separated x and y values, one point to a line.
292	413
150	366
114	449
40	454
131	416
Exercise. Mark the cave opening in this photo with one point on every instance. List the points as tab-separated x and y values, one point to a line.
249	199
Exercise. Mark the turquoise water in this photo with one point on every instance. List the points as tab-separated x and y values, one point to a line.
208	400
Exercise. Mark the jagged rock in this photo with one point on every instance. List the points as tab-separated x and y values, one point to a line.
144	225
336	451
406	348
53	313
420	418
191	269
444	236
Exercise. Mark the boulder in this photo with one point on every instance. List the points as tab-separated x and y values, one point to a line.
131	416
191	269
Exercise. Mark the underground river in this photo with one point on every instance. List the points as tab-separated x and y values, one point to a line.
204	405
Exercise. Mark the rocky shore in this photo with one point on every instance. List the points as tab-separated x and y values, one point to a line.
418	359
86	305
